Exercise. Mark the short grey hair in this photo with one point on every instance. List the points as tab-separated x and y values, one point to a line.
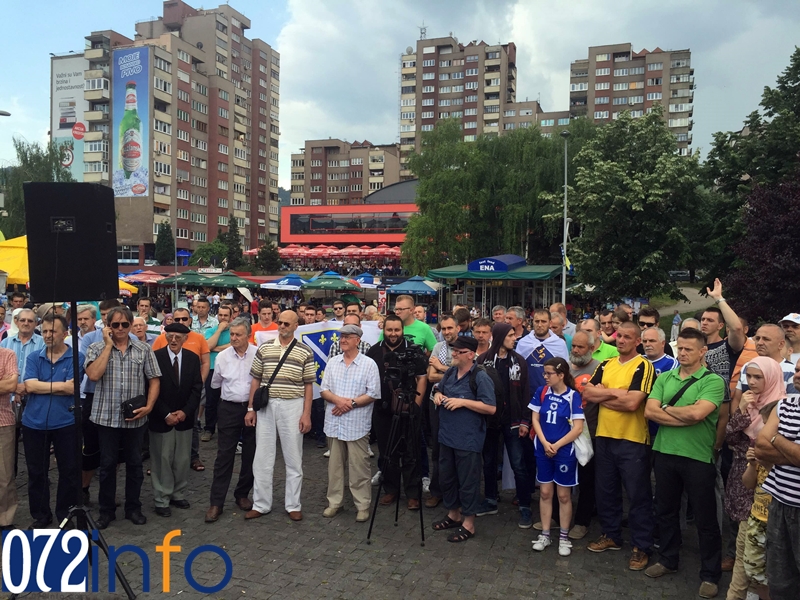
82	308
241	322
498	307
24	310
662	337
559	316
690	323
593	322
590	337
517	310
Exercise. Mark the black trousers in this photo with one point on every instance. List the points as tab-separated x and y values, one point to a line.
586	494
213	397
231	428
433	414
460	473
128	441
90	460
318	418
37	458
406	457
674	474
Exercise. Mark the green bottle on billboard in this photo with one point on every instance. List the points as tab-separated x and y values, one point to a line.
130	133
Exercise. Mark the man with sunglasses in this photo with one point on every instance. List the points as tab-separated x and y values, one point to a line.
650	317
119	367
338	311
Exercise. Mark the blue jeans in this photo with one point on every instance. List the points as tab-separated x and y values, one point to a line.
514	446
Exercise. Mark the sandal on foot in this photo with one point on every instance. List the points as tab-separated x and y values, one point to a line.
446	523
460	535
198	466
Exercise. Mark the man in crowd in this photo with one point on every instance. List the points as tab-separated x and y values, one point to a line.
417	331
139	329
405	455
49	419
676	326
620	386
499	314
144	309
9	378
353	308
482	331
350	385
218	339
690	322
119	366
602	351
232	378
16	300
569	327
172	420
653	343
684	458
722	353
539	346
557	321
338	310
650	317
309	315
86	317
264	323
195	342
202	320
515	316
791	327
464	320
607	330
287	414
336	347
371	313
462	432
24	343
320	316
421	315
769	341
582	367
440	361
778	444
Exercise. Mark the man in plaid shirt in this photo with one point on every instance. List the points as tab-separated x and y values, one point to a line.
120	365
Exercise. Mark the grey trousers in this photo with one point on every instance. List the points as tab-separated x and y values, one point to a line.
170	458
783	551
460	478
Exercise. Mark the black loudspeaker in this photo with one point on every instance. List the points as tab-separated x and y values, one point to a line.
72	241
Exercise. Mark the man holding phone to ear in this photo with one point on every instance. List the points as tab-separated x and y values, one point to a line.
119	366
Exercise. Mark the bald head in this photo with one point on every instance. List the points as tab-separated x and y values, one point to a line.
591	326
694	323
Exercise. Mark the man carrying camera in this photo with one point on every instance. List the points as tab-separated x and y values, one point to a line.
402	367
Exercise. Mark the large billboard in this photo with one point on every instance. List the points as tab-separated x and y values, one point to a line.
130	131
67	106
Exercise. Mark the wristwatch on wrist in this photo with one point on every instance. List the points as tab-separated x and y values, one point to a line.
664	407
718	300
353	403
250	409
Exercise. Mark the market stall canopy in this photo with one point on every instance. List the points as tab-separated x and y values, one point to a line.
228	280
416	286
290	283
185	278
326	282
503	267
126	289
367	280
143	277
14	260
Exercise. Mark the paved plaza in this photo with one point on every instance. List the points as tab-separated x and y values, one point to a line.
274	557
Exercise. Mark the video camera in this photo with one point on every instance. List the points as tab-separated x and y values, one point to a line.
400	371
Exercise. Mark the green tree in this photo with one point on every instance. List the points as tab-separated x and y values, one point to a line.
165	244
267	260
35	162
210	254
635	199
233	244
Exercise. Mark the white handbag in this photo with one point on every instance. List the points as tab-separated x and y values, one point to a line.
584	450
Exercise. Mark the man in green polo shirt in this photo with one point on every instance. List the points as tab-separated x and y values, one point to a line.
417	331
684	458
143	307
602	350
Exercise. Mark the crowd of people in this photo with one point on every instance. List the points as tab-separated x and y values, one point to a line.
579	410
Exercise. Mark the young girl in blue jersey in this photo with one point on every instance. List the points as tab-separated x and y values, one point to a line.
557	422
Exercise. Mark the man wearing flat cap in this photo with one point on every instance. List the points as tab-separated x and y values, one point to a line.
463	398
350	384
172	420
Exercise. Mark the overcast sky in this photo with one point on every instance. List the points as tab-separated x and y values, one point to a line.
340	59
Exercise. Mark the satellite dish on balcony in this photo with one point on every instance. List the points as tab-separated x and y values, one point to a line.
200	45
409	50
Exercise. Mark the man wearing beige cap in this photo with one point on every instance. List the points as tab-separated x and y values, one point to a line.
350	385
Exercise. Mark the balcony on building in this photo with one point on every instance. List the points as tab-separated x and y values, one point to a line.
95	115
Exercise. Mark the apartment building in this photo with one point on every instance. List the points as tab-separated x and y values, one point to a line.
208	100
332	172
615	78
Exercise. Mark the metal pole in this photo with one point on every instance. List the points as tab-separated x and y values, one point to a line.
564	242
175	242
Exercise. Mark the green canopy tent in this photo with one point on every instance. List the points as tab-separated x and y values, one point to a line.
229	280
332	284
185	278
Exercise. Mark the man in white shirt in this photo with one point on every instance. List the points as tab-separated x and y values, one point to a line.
232	378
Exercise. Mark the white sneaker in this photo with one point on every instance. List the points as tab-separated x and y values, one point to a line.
542	542
426	485
238	447
371	453
376	479
327	454
564	547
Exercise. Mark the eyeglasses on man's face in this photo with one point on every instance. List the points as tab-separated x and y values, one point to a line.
118	324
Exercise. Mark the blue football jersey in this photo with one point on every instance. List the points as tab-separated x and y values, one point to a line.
555	412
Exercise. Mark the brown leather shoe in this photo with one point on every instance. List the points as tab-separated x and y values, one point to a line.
388	499
213	514
295	515
253	514
727	563
433	502
244	503
413	504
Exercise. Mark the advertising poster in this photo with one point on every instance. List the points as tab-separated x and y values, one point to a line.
130	131
67	106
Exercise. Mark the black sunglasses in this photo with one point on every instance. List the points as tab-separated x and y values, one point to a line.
182	318
118	324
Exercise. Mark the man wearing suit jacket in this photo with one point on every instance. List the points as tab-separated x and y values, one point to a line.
172	420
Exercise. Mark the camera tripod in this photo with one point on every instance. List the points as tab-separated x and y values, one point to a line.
400	432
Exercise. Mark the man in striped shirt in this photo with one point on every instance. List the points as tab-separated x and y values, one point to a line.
778	444
288	415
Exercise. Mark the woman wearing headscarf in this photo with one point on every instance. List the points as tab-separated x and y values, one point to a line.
514	425
766	384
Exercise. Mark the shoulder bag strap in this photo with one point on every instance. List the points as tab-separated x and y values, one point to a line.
685	387
282	360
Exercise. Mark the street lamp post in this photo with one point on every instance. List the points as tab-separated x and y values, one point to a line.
565	135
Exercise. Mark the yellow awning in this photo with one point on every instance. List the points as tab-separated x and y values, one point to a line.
14	260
